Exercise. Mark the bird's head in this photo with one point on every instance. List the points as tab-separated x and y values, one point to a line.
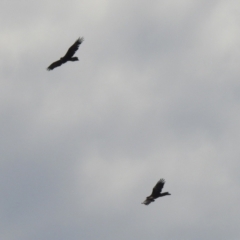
164	194
73	59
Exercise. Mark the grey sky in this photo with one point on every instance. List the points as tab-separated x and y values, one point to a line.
156	94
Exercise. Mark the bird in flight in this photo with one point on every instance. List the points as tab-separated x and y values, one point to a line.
156	192
68	56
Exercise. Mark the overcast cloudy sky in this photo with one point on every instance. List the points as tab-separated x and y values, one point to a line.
156	94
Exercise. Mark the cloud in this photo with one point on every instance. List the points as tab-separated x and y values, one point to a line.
154	95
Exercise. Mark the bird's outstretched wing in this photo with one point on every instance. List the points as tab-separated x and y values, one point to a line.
158	188
71	51
55	64
148	201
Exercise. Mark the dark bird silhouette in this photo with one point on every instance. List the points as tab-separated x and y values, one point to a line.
68	56
156	192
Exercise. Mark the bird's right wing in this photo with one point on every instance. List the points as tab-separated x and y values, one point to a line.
54	65
158	187
73	48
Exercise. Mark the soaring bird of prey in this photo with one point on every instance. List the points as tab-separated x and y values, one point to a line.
156	192
68	56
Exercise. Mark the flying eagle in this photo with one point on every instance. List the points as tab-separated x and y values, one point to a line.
68	56
156	192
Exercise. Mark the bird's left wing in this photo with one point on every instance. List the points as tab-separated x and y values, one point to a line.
54	65
147	201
